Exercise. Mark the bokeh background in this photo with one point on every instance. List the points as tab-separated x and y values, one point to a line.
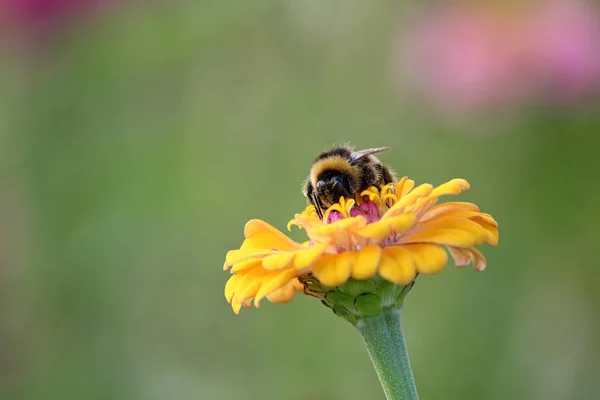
138	137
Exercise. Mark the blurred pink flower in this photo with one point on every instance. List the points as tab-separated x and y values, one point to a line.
39	19
566	46
464	57
460	58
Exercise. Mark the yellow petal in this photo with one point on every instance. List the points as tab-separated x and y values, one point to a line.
488	218
341	225
397	265
235	256
464	257
421	205
466	214
247	288
273	282
479	262
334	269
277	261
237	306
461	258
449	237
420	191
305	258
428	258
450	231
238	281
245	264
367	262
232	284
339	232
455	186
260	235
452	223
384	228
285	293
470	215
485	221
304	221
450	207
492	230
404	186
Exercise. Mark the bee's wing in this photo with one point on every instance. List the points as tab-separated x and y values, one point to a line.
357	155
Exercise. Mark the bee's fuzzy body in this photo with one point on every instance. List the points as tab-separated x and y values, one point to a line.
340	171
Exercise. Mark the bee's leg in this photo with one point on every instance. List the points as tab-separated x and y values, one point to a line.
313	198
347	194
318	205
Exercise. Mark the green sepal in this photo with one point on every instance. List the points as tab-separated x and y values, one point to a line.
356	300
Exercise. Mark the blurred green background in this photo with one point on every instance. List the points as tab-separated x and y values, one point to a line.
135	146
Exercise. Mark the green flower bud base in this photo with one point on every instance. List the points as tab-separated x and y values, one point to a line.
356	300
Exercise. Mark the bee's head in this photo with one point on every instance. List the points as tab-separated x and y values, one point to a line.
333	184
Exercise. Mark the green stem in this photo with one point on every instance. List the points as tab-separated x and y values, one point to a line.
385	344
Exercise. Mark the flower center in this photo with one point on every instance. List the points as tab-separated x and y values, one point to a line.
373	205
368	209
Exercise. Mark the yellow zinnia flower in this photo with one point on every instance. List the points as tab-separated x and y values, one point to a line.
387	236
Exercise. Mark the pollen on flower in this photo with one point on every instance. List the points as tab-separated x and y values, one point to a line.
395	233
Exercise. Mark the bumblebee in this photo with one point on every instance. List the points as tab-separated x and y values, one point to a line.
341	171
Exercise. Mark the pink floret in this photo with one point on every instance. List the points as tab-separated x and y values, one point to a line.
368	210
334	216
